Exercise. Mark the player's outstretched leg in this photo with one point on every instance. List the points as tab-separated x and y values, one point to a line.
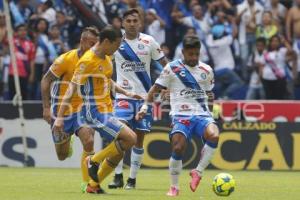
211	137
137	153
118	181
178	142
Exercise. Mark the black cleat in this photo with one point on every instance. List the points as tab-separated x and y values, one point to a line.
117	182
92	168
130	184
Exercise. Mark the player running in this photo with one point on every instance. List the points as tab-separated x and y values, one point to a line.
133	60
92	77
62	71
190	83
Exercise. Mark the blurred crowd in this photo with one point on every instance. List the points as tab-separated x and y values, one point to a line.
253	46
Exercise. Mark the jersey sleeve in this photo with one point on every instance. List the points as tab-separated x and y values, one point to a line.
83	70
156	52
209	84
59	67
164	78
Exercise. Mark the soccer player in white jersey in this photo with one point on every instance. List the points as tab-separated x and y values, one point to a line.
190	83
133	74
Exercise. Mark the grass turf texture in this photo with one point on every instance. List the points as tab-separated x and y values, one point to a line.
64	184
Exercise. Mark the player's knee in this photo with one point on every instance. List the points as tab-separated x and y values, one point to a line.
62	156
88	144
178	149
213	137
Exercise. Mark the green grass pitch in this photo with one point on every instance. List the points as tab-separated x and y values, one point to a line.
64	184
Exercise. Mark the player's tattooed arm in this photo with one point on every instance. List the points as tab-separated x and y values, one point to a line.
155	89
58	125
211	98
46	82
115	88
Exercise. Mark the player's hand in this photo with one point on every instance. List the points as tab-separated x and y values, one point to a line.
47	115
141	114
165	94
134	95
58	126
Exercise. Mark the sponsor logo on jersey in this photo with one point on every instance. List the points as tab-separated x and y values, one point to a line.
129	66
192	93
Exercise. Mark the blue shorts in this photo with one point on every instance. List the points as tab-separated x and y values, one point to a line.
190	125
126	109
72	123
105	123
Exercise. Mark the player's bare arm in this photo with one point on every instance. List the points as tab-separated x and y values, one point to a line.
47	80
155	89
163	61
59	122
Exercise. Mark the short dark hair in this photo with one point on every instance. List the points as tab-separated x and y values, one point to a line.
91	29
130	12
20	26
261	40
191	41
110	33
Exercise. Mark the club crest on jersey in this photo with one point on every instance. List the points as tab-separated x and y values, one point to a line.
203	76
141	46
100	68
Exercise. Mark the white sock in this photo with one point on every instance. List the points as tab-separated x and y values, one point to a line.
136	161
207	153
175	167
119	168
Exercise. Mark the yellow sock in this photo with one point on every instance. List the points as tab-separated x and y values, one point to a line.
110	151
108	166
105	169
93	183
84	169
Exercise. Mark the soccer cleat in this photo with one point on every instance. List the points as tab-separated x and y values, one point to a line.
94	190
92	168
70	152
173	192
117	182
130	184
83	187
195	179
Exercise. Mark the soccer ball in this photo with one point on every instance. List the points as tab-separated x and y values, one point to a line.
223	184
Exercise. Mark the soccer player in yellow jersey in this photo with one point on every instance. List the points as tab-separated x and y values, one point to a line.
62	71
92	79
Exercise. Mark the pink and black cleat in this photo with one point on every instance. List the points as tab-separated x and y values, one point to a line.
196	178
